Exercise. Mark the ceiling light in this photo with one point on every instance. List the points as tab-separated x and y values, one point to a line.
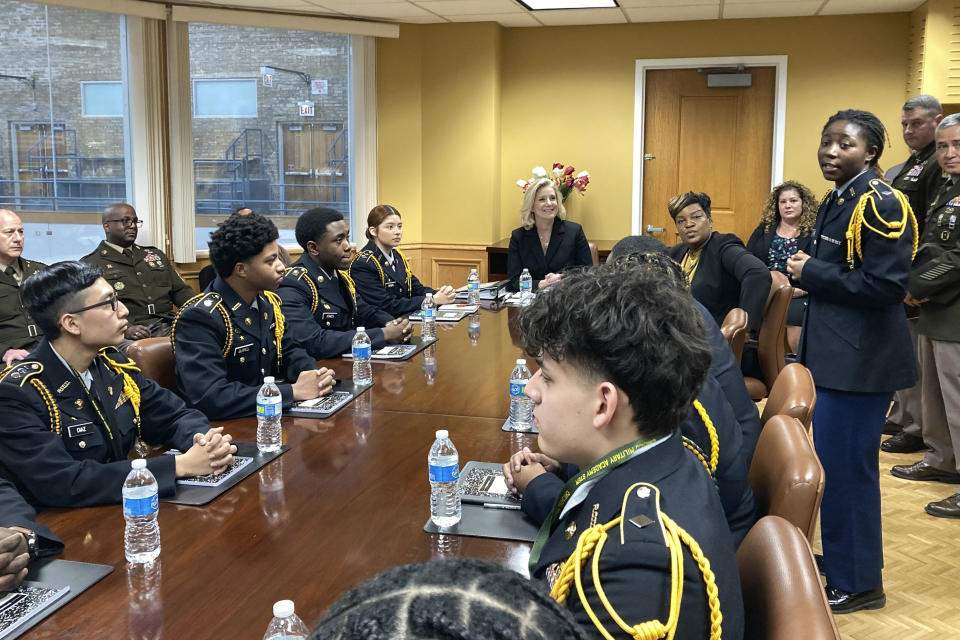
540	5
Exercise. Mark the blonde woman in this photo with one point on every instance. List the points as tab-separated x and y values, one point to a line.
545	243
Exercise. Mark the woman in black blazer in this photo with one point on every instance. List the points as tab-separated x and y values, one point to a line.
722	273
382	273
785	227
545	244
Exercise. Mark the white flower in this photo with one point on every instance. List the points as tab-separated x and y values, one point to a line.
557	173
521	183
539	172
582	174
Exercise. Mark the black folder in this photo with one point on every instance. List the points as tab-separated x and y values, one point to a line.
197	496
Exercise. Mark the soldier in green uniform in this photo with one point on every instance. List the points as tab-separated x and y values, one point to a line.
144	279
918	178
18	332
935	284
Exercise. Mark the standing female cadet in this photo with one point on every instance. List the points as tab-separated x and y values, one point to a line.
856	343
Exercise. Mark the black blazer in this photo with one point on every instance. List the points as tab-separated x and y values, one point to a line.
568	247
728	276
389	292
16	512
855	335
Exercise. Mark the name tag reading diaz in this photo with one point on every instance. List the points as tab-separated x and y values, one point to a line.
242	349
78	430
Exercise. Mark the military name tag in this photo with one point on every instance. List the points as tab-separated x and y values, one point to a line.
78	430
328	315
242	349
390	284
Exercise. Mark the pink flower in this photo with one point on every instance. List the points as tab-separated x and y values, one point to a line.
568	171
569	181
558	165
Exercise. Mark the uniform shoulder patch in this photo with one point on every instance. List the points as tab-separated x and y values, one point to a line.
882	189
641	513
21	372
297	273
114	354
206	301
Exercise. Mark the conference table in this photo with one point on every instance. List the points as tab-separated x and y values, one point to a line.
347	501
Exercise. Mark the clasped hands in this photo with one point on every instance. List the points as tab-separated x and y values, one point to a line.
524	466
397	330
212	452
13	559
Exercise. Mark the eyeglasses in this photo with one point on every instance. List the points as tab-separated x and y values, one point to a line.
695	218
112	301
128	222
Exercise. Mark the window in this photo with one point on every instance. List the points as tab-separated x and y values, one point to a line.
64	134
102	99
225	98
271	131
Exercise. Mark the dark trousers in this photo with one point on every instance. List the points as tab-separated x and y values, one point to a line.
846	434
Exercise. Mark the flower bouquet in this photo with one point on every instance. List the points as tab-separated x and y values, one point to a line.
562	177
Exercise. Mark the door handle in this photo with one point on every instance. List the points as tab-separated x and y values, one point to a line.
653	229
649	156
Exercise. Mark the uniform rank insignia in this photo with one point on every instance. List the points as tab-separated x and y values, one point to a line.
78	403
916	170
118	286
570	530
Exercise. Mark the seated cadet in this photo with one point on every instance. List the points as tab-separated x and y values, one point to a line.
18	331
381	272
22	538
618	373
145	281
319	297
75	406
228	339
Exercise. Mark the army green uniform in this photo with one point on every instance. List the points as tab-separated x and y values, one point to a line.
17	329
936	275
145	281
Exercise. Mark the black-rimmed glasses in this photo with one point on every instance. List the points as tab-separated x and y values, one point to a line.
112	301
128	222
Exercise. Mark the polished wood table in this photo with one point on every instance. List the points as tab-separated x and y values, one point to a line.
348	500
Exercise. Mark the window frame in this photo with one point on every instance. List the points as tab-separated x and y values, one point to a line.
83	98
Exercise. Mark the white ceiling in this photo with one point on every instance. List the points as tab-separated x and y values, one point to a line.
510	13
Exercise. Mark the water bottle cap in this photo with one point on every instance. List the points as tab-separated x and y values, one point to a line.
268	380
283	608
361	329
138	463
521	361
429	296
442	433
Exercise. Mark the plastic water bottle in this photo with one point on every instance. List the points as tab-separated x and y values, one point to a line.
444	467
269	410
285	624
428	316
473	328
526	286
362	372
521	407
473	287
141	537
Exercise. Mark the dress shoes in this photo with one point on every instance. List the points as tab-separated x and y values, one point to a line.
818	558
946	508
922	471
891	428
903	442
844	602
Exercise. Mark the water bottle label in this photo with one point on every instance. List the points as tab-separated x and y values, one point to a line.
270	410
361	351
141	506
524	286
426	313
444	474
473	286
518	389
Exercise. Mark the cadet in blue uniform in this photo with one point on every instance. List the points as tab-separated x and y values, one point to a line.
229	338
22	538
619	424
319	297
75	407
856	344
381	272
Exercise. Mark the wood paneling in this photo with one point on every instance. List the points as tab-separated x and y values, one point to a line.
439	264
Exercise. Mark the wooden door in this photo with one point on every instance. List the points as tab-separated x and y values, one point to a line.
308	175
33	163
715	140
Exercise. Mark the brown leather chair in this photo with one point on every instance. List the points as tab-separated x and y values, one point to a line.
771	343
786	475
793	394
734	329
154	356
782	594
594	253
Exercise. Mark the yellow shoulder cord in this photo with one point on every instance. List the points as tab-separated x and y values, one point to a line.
894	230
714	439
132	392
52	410
691	446
351	287
406	268
591	542
314	294
228	326
369	257
279	321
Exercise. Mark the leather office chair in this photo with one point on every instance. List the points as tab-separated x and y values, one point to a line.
793	394
734	329
594	253
786	475
771	343
154	356
782	594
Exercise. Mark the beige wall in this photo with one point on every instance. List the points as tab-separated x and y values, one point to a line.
464	110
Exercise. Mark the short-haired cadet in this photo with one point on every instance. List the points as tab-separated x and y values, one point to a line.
227	340
618	372
22	538
76	407
18	332
320	298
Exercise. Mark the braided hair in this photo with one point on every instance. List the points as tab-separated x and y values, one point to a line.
870	127
448	599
